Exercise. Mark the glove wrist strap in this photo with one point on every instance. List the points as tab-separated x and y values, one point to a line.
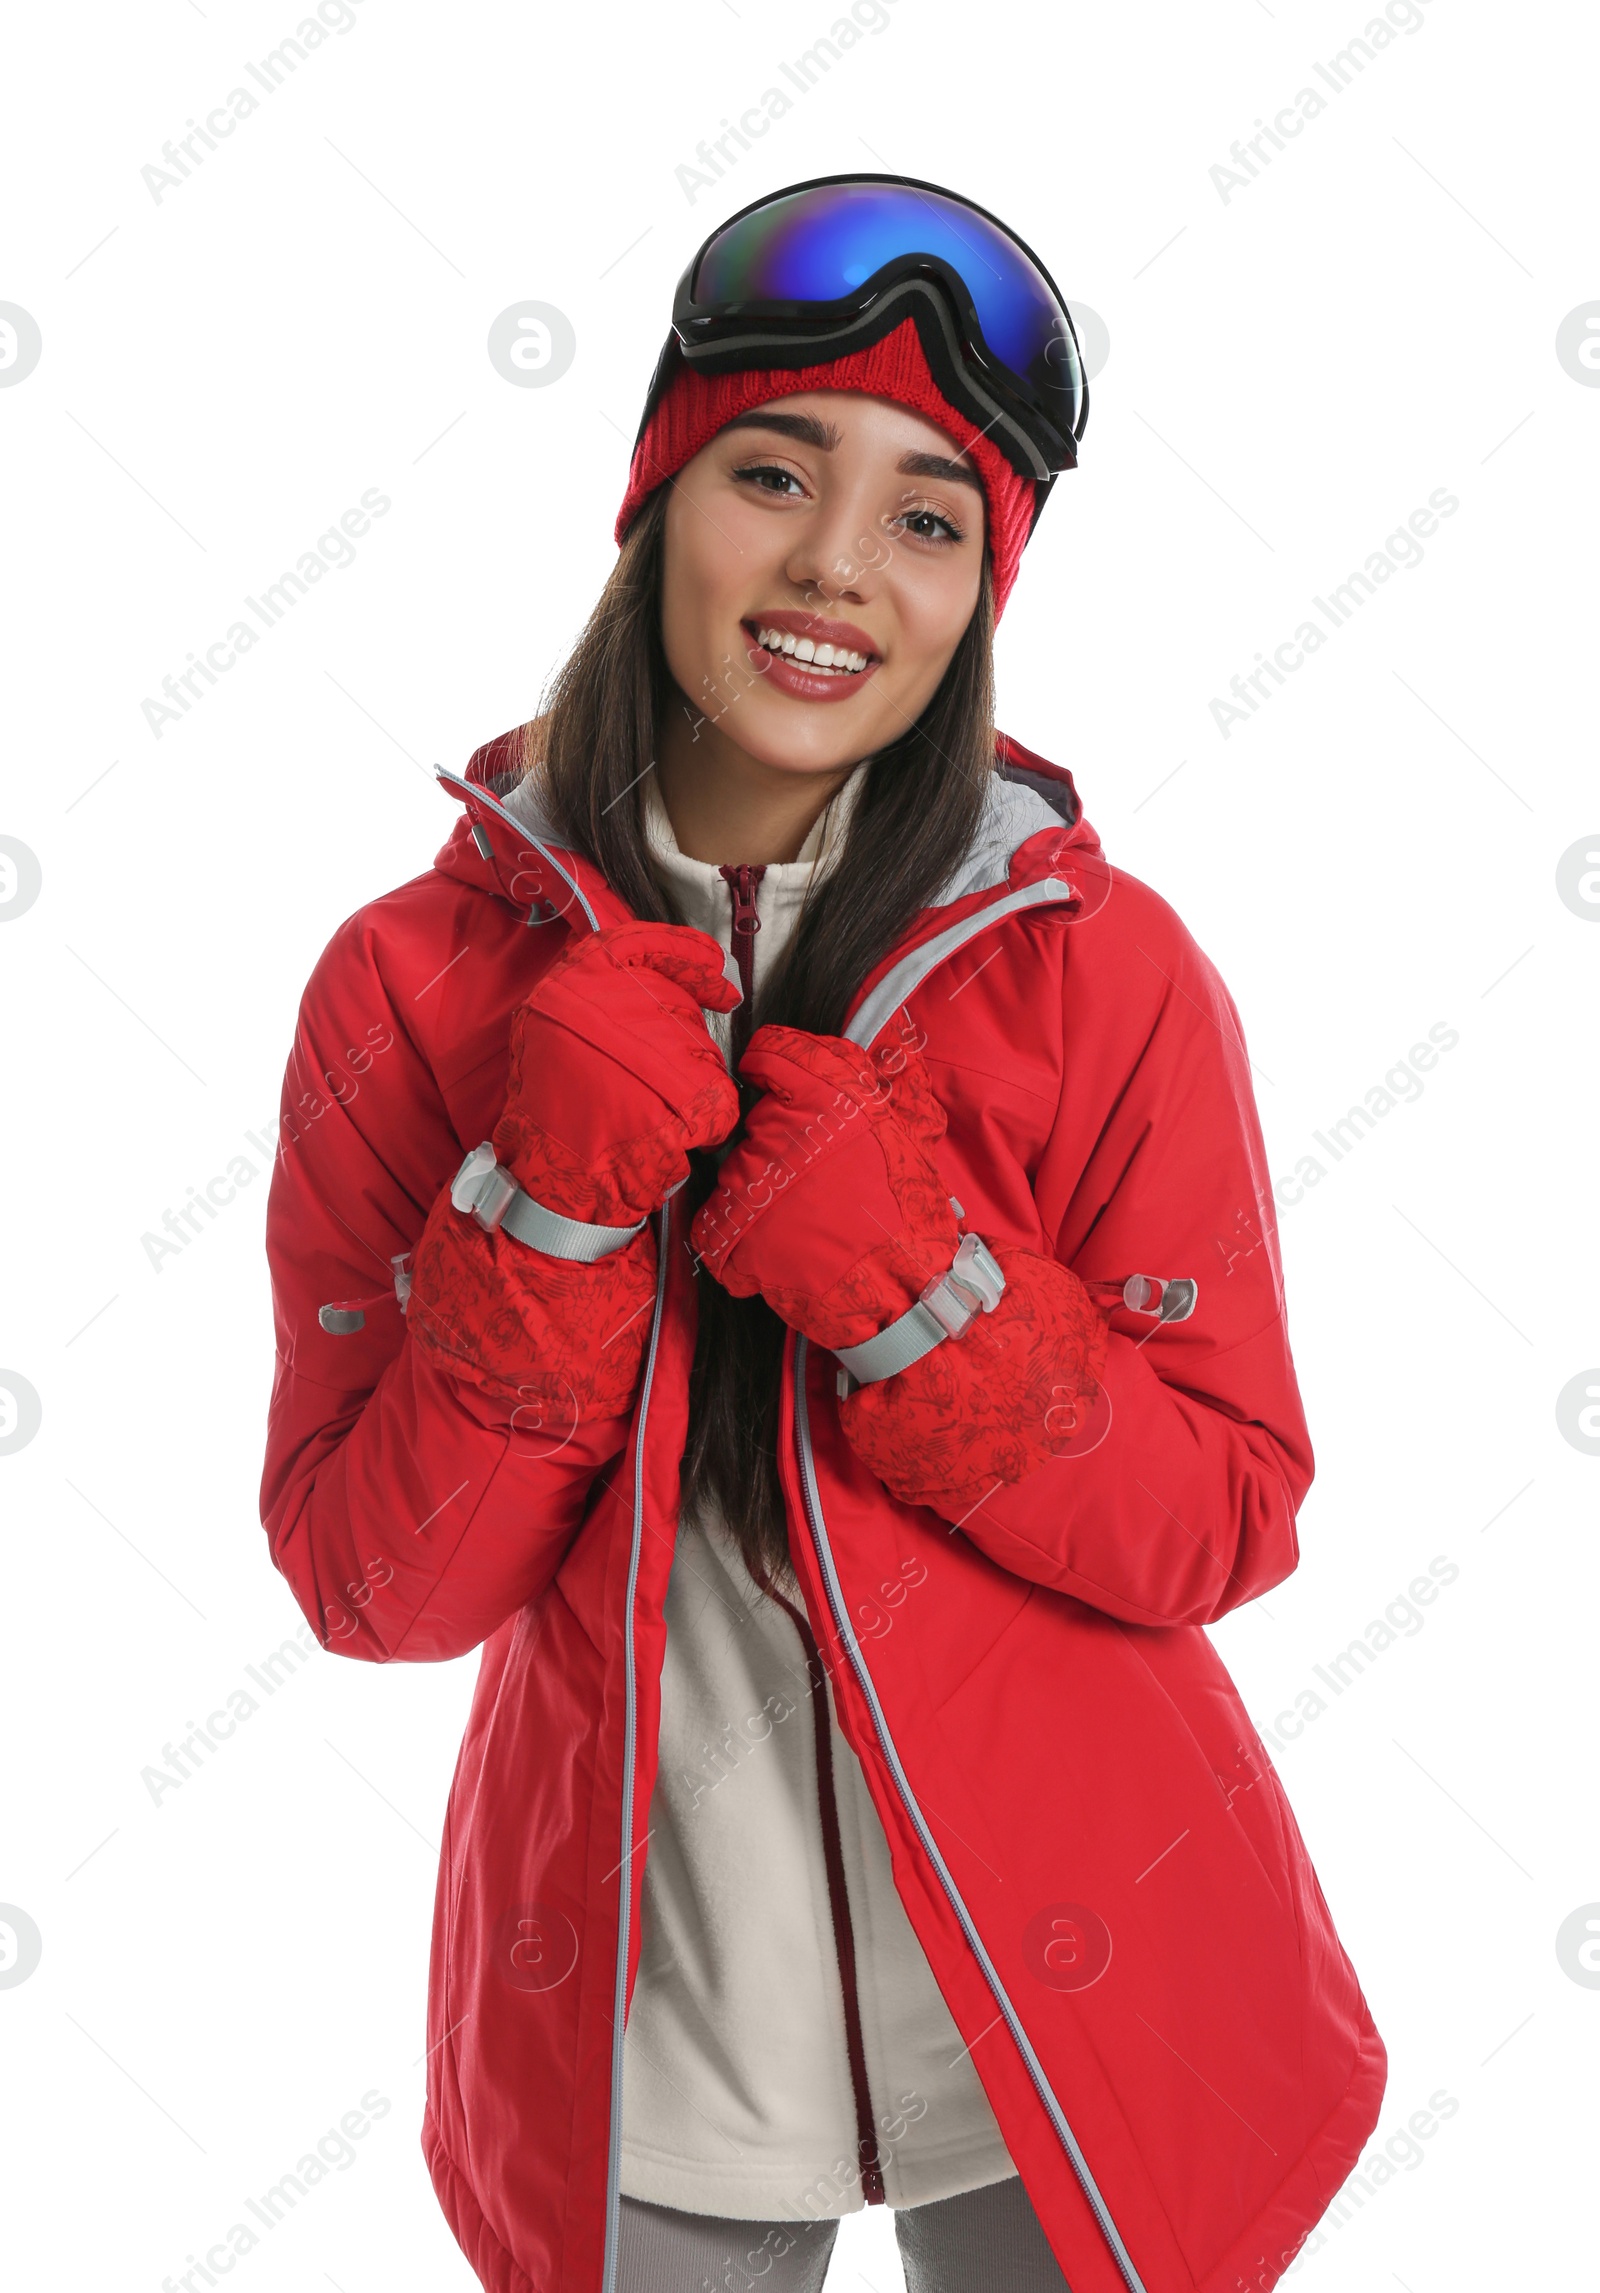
485	1190
971	1284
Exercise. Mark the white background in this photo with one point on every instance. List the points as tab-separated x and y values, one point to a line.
1293	369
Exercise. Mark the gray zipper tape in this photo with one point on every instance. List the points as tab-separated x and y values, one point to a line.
629	1762
909	973
852	1648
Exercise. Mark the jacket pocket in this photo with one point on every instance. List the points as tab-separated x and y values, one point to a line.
579	1583
995	1643
1188	1672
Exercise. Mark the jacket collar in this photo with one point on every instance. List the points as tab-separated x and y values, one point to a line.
1032	826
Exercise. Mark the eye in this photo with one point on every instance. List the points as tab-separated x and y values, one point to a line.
768	478
931	525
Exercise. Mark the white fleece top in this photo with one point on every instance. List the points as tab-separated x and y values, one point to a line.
737	2098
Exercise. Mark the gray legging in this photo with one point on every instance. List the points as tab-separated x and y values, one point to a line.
967	2244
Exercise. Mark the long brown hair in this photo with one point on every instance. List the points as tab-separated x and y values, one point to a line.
918	811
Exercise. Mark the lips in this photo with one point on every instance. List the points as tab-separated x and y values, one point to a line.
808	657
812	628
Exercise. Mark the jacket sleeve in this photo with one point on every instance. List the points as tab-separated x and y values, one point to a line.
1177	1500
408	1512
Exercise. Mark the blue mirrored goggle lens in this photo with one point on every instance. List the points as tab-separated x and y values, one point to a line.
820	245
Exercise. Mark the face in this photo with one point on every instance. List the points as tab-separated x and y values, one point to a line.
822	559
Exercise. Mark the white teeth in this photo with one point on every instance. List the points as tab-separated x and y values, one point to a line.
834	658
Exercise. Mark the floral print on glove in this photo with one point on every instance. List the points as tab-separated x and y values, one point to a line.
995	1403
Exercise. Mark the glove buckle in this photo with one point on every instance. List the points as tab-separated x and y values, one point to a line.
971	1284
485	1190
482	1187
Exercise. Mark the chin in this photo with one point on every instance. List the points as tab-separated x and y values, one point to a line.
798	754
798	736
801	767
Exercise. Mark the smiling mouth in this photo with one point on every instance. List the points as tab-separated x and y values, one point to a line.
820	660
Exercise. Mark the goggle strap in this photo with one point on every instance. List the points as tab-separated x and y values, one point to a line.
777	343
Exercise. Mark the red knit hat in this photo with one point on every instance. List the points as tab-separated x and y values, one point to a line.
695	407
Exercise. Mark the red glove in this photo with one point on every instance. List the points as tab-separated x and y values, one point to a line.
992	1405
614	1075
831	1204
833	1208
614	1078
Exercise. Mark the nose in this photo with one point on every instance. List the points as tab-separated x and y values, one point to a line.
841	553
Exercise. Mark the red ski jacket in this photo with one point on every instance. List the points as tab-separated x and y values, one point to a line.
1088	1835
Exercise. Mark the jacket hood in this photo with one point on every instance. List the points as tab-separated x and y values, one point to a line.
1032	824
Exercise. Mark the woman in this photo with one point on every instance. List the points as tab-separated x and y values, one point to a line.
837	1465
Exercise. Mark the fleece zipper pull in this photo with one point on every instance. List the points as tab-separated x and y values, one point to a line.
742	883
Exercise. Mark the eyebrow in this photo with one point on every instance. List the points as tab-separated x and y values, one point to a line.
939	466
808	430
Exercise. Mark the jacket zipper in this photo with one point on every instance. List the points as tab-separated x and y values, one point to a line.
876	1009
852	1648
539	911
629	1756
742	883
868	2160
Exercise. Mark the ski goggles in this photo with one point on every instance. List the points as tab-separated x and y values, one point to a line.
836	264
